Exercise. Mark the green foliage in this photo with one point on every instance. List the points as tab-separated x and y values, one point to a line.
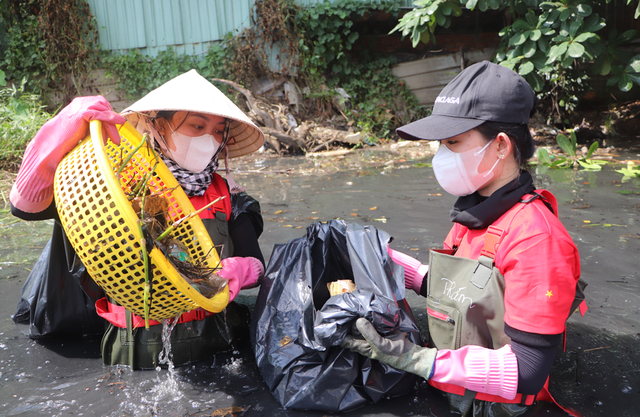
54	43
571	157
380	102
24	48
629	172
21	115
328	34
548	43
138	74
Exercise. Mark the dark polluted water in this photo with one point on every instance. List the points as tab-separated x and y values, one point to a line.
597	375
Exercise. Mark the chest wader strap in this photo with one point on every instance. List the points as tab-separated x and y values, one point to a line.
131	350
483	271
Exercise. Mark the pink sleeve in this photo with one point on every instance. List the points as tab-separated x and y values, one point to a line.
414	270
33	190
541	272
479	369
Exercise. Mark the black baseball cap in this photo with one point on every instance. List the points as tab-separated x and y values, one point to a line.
482	92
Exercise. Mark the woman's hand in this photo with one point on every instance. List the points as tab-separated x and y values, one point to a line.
33	190
242	273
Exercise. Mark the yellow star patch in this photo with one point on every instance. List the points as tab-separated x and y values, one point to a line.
549	294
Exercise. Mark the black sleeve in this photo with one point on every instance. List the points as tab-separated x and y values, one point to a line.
244	237
423	287
48	213
535	354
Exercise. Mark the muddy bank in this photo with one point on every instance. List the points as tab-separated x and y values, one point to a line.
394	190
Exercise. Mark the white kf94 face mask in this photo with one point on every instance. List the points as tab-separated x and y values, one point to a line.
458	173
193	153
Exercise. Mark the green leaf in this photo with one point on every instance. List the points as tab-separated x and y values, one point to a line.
518	39
456	9
588	166
565	144
635	63
602	65
567	61
535	81
634	77
529	48
575	50
525	68
574	141
446	8
624	38
535	34
613	80
584	10
573	28
471	4
543	156
584	37
593	23
625	84
594	146
557	51
521	25
564	14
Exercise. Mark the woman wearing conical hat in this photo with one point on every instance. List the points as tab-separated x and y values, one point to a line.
192	125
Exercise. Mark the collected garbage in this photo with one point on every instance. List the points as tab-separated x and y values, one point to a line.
297	325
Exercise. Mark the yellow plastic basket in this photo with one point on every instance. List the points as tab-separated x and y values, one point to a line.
103	227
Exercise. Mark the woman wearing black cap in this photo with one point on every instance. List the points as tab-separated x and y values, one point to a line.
501	290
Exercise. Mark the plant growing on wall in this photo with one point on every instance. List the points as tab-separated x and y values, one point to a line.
52	41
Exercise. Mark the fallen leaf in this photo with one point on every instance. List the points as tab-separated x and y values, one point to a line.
312	218
228	411
298	227
287	225
587	221
373	208
278	211
414	249
354	214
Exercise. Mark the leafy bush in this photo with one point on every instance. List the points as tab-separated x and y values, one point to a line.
53	43
549	43
21	115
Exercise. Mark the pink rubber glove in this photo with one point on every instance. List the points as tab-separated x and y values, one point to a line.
33	190
479	369
242	273
414	270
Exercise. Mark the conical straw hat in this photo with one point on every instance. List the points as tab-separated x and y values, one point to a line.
192	92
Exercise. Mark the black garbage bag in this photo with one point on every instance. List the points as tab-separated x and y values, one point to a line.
297	327
58	297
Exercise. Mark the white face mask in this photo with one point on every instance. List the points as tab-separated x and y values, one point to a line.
458	173
193	153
